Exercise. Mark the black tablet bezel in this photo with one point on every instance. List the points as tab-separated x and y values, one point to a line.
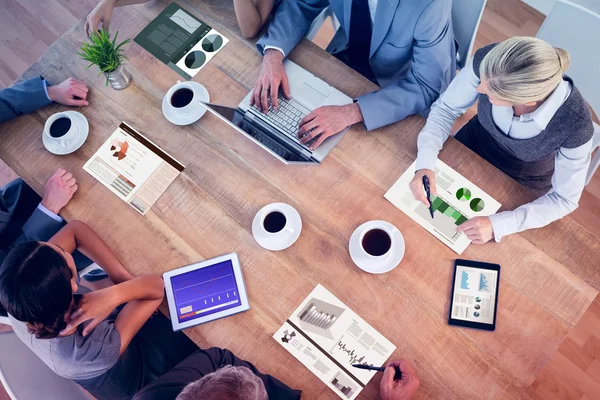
469	324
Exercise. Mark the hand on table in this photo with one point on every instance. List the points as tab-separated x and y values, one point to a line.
326	121
271	76
403	389
416	185
478	229
101	13
95	307
66	92
59	190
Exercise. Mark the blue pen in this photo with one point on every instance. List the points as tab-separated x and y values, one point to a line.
428	193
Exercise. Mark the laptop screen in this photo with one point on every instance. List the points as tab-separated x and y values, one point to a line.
274	143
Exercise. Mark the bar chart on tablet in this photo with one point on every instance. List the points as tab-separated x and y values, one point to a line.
205	291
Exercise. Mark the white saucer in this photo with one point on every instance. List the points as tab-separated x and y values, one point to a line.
174	117
282	240
84	129
367	264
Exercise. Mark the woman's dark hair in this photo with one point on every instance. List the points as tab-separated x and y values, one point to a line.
35	287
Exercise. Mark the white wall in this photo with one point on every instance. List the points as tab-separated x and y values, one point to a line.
544	6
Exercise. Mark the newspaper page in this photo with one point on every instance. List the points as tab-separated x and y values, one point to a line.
133	168
327	337
457	201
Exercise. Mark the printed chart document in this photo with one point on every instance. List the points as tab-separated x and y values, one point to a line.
457	201
133	168
474	294
180	40
327	337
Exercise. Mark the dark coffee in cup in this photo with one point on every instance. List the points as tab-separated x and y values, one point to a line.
60	127
274	222
376	242
182	97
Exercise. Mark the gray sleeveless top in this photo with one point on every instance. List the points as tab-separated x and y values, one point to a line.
570	127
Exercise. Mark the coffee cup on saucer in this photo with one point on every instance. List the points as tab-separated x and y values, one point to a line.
181	105
377	247
277	226
65	132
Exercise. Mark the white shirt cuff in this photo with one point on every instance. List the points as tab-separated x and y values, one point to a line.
426	159
45	83
273	47
49	213
503	224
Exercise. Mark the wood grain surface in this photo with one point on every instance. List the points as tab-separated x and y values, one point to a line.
549	276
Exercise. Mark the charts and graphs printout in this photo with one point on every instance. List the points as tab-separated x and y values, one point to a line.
457	201
327	337
133	168
180	40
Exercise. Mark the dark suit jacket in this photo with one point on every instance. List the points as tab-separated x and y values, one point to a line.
204	362
20	219
23	98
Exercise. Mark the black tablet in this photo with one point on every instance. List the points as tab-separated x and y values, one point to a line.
474	299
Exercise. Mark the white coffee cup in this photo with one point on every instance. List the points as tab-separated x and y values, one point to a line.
65	140
191	106
378	247
275	221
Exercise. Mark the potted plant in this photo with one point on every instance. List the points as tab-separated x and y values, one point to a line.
109	57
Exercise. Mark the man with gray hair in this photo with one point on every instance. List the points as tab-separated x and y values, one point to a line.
229	382
216	374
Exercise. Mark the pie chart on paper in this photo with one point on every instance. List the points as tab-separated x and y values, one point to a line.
463	194
195	59
477	204
212	43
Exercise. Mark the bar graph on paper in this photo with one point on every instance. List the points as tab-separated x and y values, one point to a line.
320	319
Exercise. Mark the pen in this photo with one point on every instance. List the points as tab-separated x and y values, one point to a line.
397	375
428	192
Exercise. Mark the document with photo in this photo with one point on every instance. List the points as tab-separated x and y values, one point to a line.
457	201
327	337
133	168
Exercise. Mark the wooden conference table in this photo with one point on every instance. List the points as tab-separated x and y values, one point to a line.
209	209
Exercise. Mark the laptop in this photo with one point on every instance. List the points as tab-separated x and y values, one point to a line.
276	131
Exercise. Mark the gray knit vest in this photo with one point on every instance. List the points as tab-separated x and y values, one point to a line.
570	127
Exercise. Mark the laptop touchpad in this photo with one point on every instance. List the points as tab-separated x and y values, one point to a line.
310	95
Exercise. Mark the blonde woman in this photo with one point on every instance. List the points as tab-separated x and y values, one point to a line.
532	124
251	14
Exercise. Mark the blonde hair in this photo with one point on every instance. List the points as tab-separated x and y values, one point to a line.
523	69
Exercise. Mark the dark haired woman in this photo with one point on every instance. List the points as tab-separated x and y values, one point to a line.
110	351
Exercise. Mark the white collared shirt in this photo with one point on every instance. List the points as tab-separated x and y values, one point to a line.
570	167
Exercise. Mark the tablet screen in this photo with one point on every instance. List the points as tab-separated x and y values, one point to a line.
474	294
205	291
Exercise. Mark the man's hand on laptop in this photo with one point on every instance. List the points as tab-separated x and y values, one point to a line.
272	75
326	121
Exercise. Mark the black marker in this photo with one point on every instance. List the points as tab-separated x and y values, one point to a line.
428	192
397	375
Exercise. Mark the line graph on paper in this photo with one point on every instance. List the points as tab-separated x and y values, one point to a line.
350	351
185	21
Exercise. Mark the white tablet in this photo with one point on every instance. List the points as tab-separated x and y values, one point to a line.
205	291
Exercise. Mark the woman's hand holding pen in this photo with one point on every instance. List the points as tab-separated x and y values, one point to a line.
416	185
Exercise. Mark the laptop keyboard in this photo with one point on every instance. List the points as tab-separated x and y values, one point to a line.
286	118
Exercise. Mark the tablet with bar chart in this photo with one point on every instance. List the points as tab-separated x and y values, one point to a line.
457	201
205	291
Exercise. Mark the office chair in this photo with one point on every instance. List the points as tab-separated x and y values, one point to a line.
577	30
320	20
24	376
466	16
